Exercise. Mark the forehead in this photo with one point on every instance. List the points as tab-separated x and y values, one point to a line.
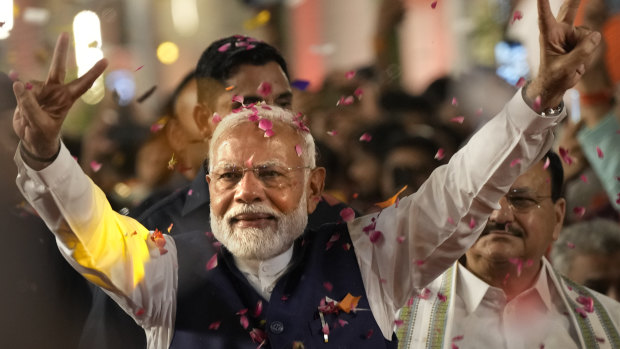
536	180
246	141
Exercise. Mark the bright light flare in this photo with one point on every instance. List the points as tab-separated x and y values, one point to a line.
6	18
87	37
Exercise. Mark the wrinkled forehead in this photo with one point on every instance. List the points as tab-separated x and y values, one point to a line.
247	141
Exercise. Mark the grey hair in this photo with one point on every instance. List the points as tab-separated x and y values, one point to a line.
273	114
597	236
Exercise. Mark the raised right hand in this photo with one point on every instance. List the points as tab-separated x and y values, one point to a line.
42	109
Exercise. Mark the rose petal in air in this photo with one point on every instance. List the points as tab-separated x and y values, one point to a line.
347	214
140	67
451	221
244	321
224	47
521	82
259	308
212	263
517	15
515	162
583	178
332	132
350	74
458	119
400	239
298	149
547	162
13	75
29	87
454	101
216	118
472	223
434	4
599	152
358	93
269	133
328	286
237	98
570	245
96	166
579	211
264	89
265	124
215	325
565	157
440	154
366	137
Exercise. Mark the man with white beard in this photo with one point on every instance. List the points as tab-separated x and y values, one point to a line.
269	284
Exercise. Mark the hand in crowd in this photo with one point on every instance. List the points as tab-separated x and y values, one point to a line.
565	53
43	106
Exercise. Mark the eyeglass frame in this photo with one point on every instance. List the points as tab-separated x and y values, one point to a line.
255	169
537	199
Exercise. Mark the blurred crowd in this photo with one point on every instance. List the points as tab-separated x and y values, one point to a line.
375	139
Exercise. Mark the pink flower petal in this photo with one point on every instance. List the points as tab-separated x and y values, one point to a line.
478	111
350	74
216	118
140	312
570	245
140	67
269	133
400	239
358	93
581	312
366	137
13	75
29	87
190	192
298	149
547	162
348	100
441	297
264	89
342	322
332	132
517	15
521	82
515	162
237	98
599	152
328	286
433	4
419	262
347	214
96	166
425	294
346	246
253	117
215	325
212	263
458	119
398	322
583	178
440	154
454	101
156	127
537	104
265	124
472	223
259	308
579	211
325	329
565	157
375	236
369	333
224	47
451	221
244	321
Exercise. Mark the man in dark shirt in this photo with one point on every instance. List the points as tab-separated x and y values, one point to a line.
231	71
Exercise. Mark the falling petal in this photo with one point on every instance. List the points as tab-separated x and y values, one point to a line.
298	149
599	152
472	223
389	202
366	137
375	236
342	322
243	320
400	239
451	221
517	15
369	333
140	312
301	85
348	100
515	162
347	214
264	89
521	82
328	286
478	111
332	132
29	87
346	246
96	166
579	211
212	263
458	119
253	117
425	294
570	245
258	336
325	329
224	47
419	262
458	338
265	124
237	98
581	312
359	92
265	107
584	178
140	67
433	4
269	133
454	101
547	162
215	325
259	308
249	162
216	118
350	74
440	154
565	156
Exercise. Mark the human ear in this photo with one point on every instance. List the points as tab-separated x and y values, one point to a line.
316	184
176	135
559	211
202	118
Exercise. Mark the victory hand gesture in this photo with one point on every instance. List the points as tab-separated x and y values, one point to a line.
43	106
566	52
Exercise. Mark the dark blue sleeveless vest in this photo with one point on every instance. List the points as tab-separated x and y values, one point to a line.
211	303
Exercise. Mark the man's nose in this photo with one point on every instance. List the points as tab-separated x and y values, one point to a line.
249	189
504	214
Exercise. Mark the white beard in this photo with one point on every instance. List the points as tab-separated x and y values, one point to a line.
260	244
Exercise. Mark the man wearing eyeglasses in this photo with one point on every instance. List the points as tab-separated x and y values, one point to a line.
504	293
274	282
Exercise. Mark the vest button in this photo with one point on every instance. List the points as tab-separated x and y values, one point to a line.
276	327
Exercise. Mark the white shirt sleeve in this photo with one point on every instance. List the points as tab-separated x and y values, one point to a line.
426	232
111	250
